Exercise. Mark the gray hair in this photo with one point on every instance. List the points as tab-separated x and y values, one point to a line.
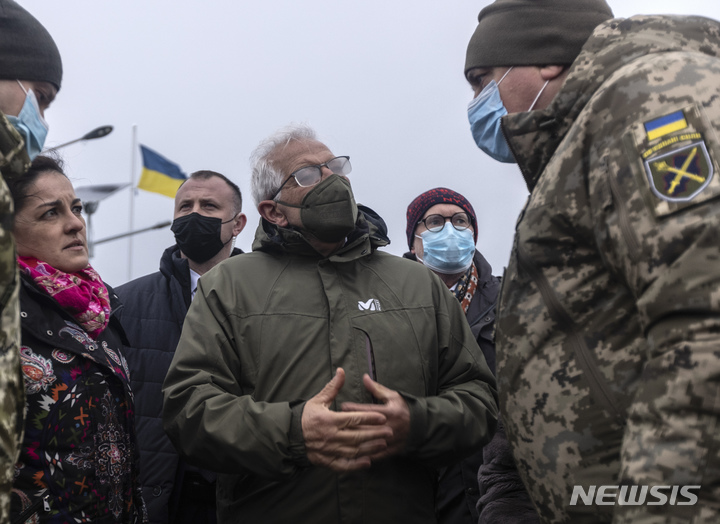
265	178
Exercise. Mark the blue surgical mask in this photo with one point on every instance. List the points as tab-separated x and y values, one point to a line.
448	251
484	114
30	124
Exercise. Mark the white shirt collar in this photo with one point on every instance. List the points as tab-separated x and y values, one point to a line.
194	277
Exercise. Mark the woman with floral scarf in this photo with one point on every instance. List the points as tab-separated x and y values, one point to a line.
78	461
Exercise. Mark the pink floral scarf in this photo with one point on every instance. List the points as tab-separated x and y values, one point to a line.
82	294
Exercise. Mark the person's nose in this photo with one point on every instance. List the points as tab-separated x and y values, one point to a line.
74	223
325	172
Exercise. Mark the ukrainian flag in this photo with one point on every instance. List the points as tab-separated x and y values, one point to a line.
159	175
664	125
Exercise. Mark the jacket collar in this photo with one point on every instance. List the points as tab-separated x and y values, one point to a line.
534	136
369	234
172	265
483	268
14	159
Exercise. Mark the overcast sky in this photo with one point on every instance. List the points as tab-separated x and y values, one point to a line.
204	82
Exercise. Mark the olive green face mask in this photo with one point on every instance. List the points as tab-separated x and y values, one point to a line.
329	210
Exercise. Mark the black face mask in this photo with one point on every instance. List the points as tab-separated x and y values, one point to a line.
198	236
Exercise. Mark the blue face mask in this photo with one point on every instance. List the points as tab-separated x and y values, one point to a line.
484	114
448	251
30	124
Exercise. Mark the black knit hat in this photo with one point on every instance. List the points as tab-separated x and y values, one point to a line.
533	32
27	51
439	195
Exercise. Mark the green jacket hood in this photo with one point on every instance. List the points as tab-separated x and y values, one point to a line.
534	136
370	233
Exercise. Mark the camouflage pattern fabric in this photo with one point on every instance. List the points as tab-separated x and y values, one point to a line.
608	333
14	161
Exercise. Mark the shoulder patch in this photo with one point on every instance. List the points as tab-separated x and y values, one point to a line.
677	153
681	173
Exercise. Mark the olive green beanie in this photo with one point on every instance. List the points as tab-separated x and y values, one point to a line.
533	32
27	51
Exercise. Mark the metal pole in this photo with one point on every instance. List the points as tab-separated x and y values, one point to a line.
90	237
65	144
159	225
133	167
98	132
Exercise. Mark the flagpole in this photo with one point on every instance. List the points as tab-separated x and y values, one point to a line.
133	169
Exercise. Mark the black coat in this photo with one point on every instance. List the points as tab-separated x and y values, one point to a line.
155	308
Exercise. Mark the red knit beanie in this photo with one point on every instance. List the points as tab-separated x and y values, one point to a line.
439	195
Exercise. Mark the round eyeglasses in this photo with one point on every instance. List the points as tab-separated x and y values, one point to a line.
436	223
310	175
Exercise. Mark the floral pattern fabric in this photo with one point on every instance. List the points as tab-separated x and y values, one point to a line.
79	449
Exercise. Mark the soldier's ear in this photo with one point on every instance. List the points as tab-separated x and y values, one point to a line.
269	211
551	72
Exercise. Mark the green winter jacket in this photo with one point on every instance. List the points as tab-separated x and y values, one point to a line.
266	332
608	331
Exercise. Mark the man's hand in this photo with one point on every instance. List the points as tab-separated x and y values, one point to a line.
395	410
341	441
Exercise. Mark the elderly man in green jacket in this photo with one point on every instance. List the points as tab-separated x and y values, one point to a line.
324	379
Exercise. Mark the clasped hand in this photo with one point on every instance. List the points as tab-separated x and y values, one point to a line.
361	433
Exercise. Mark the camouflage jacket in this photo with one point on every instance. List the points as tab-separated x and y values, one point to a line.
609	322
14	161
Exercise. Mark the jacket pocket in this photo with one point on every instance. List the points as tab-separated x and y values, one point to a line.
597	383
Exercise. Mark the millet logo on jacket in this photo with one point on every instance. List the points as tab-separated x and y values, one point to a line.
371	305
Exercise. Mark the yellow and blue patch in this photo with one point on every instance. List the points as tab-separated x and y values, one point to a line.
665	125
676	152
680	174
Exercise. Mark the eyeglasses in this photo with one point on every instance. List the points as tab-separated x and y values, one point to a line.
310	175
436	223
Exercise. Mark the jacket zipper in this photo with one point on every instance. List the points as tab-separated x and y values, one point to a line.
33	509
596	381
498	303
623	219
370	357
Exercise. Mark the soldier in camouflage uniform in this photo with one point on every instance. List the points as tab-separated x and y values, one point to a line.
29	61
608	330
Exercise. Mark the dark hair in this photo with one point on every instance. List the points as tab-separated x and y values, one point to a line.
20	186
206	174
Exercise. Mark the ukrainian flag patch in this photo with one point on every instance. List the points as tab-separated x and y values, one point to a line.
665	125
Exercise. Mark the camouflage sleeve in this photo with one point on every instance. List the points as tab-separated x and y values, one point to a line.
12	394
14	161
660	231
